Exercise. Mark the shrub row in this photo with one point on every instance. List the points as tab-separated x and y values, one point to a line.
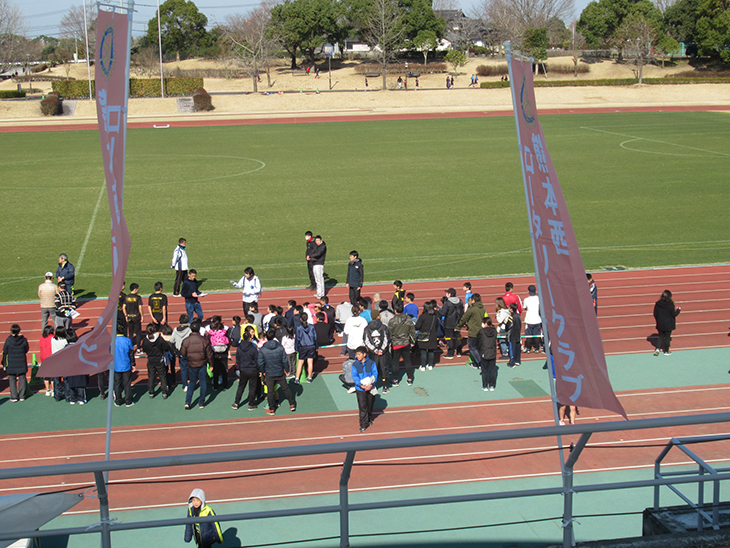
138	87
202	100
51	105
493	85
611	82
700	74
567	69
492	70
11	93
399	68
207	73
501	70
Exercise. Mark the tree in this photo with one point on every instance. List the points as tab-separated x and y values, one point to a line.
252	47
350	16
384	32
418	16
73	25
511	17
302	25
681	20
534	44
713	29
600	20
426	41
182	27
666	45
558	35
637	34
456	59
12	43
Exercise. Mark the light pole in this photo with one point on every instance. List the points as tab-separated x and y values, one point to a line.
88	60
159	42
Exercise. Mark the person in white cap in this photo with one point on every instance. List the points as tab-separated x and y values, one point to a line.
47	295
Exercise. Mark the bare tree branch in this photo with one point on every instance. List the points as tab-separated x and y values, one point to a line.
384	32
12	41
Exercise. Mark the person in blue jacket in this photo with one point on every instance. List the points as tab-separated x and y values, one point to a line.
206	533
65	272
364	374
306	345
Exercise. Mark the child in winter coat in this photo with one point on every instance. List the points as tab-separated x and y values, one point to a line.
207	533
15	361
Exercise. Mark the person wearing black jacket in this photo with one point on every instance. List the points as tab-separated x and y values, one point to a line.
513	337
426	326
452	311
487	344
155	347
318	256
310	263
665	314
15	361
355	276
247	356
272	363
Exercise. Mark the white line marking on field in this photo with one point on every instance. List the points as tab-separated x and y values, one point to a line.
91	228
634	137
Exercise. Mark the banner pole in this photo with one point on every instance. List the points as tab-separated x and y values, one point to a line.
546	339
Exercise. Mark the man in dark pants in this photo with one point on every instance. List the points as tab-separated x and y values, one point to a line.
355	276
310	262
180	265
272	364
197	351
65	272
364	374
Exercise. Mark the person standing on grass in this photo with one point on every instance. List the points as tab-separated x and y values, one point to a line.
47	295
180	264
364	375
487	344
355	276
272	365
472	319
665	314
134	314
157	305
533	321
197	351
190	292
15	362
318	255
309	238
593	288
65	272
251	288
124	366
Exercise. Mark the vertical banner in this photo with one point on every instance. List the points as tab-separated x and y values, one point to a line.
91	354
581	375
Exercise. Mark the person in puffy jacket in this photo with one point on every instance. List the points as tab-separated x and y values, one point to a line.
155	347
197	351
472	319
272	364
306	345
402	332
487	344
15	360
247	357
377	341
205	533
665	314
451	312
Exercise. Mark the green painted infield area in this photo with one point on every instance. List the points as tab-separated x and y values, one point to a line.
419	199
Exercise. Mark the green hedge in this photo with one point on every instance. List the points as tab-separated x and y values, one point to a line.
138	87
11	94
612	82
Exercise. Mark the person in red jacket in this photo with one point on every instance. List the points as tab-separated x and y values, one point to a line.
510	297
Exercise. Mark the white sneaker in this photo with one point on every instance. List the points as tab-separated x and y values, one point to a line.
185	389
429	367
421	368
48	393
351	390
491	388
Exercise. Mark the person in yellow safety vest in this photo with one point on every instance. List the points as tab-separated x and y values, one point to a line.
205	533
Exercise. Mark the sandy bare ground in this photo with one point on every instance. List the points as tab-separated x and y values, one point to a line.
304	95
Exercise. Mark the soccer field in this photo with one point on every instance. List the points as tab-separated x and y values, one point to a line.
418	199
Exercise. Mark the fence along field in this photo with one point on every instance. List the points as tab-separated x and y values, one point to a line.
418	199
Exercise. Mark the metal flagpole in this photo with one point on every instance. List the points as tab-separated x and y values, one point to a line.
88	60
159	41
546	341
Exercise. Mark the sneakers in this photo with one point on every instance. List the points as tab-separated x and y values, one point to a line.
201	406
429	367
297	381
152	396
82	402
270	412
656	352
185	388
71	402
164	396
49	393
187	406
447	357
561	423
117	404
252	407
667	353
15	401
351	390
421	368
485	389
130	404
234	406
491	388
394	384
309	380
386	390
292	408
409	382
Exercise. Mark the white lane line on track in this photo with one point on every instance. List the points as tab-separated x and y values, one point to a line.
91	228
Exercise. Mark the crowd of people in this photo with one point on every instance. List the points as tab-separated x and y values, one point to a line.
266	350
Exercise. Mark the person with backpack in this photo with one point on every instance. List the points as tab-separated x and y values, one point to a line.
451	312
306	345
155	346
219	342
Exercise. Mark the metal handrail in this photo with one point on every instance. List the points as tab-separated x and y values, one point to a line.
106	525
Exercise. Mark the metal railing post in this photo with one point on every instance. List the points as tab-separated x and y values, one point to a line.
106	536
344	501
568	534
716	504
700	499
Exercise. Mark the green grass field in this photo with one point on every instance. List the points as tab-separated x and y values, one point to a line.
418	199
